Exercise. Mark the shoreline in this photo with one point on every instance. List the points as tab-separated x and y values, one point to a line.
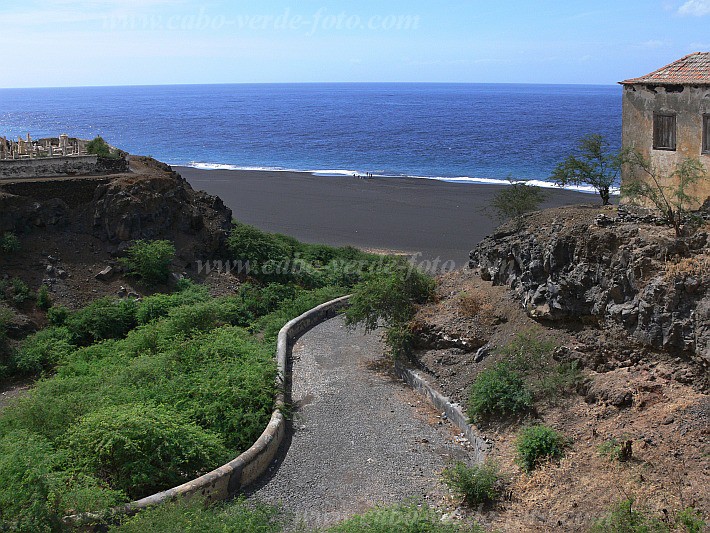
432	218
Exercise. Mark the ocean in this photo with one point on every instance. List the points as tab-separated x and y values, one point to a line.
454	132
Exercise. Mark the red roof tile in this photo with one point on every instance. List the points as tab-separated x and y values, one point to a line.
693	69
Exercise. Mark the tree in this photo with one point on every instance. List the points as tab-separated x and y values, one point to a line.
666	191
514	201
594	165
101	148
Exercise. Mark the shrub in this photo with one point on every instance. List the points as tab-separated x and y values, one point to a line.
498	391
403	518
691	520
669	191
14	290
101	148
9	243
192	517
26	461
536	444
624	518
616	450
159	305
513	201
249	244
532	355
105	318
44	300
58	315
139	448
150	260
43	350
390	298
475	484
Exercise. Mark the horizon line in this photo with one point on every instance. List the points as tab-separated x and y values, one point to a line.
307	83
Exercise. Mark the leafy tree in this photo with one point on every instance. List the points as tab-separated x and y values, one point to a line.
150	260
594	165
9	243
101	148
514	201
667	192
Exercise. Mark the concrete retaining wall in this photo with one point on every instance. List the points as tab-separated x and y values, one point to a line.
453	411
48	166
227	480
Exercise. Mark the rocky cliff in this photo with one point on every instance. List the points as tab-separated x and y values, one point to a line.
611	268
151	202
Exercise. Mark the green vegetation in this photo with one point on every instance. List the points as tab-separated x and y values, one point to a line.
616	450
594	165
192	517
528	373
14	291
9	243
390	300
537	444
531	355
150	261
514	201
498	391
405	518
669	192
624	518
690	520
5	316
476	484
44	300
141	448
101	148
136	396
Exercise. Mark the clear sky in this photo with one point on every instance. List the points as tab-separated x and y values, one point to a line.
49	43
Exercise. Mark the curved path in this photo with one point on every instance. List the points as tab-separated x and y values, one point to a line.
358	436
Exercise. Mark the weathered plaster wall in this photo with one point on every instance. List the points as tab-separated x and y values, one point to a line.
48	166
641	102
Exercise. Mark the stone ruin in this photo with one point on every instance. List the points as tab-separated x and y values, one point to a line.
62	146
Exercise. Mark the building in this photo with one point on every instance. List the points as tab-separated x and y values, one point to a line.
666	117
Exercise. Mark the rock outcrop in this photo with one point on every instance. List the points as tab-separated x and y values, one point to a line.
614	269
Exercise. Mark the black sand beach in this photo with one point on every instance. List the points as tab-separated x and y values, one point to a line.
437	219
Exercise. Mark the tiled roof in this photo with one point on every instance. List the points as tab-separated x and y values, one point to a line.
693	69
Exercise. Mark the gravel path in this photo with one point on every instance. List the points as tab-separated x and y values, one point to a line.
359	438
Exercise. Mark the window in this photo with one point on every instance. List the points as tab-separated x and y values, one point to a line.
706	134
664	127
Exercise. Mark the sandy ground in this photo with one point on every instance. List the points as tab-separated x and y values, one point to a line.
438	219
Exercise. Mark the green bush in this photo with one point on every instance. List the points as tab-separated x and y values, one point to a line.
14	291
475	484
407	518
624	518
105	318
58	315
44	300
192	517
101	148
140	448
498	391
249	244
9	243
150	260
159	305
691	520
42	350
536	444
513	201
532	356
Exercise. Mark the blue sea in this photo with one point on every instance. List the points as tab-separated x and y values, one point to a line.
455	132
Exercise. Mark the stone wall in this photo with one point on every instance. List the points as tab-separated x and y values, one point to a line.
640	102
227	480
49	166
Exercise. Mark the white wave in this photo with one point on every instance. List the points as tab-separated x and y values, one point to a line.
343	172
